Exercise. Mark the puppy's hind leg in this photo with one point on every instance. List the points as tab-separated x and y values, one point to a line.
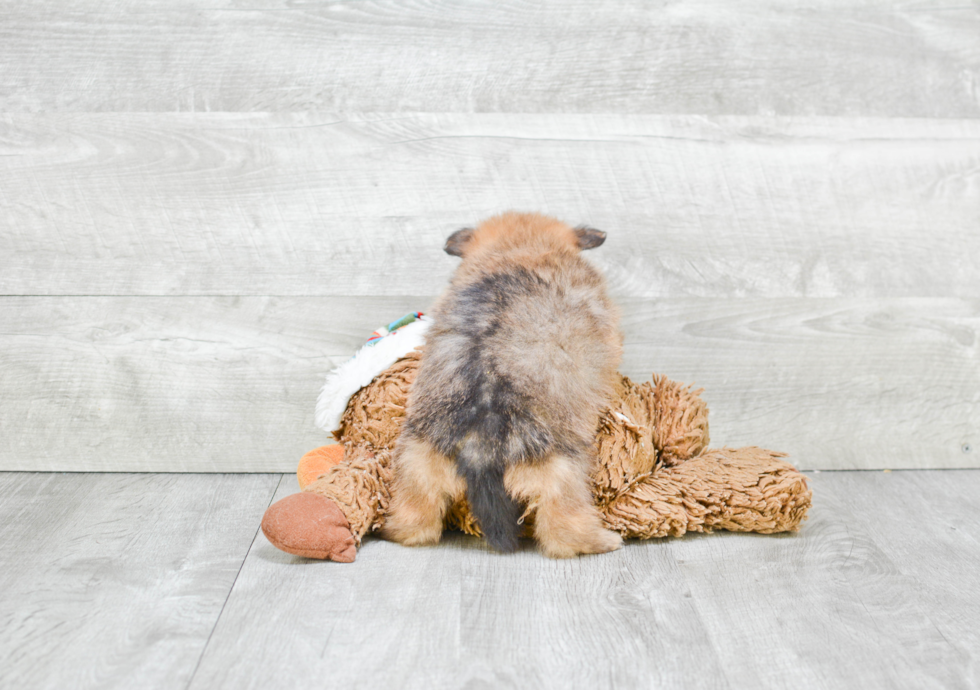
425	484
566	522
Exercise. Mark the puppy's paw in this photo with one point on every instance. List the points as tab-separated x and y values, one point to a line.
410	534
604	542
571	544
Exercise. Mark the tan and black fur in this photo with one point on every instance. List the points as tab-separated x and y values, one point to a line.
518	363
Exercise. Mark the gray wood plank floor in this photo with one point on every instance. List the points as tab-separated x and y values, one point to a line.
117	580
164	581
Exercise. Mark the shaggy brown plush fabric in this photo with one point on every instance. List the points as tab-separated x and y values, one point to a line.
654	477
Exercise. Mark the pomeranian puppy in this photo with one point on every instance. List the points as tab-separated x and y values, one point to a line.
521	357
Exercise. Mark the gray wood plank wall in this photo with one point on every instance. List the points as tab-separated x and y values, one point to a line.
831	57
791	191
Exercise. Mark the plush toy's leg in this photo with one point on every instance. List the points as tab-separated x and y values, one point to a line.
426	483
309	525
359	486
566	522
317	463
740	490
333	512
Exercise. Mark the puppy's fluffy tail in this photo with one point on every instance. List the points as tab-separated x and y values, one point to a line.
490	503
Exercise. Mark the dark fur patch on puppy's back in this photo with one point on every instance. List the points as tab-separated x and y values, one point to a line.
483	400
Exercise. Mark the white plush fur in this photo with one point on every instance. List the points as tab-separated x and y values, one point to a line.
358	371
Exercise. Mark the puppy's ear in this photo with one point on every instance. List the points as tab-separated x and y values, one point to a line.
589	238
456	241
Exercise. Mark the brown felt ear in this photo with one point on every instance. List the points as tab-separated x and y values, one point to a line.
456	241
589	238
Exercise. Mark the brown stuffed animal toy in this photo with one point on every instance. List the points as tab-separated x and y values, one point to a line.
655	476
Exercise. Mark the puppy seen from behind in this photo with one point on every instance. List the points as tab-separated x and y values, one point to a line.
521	358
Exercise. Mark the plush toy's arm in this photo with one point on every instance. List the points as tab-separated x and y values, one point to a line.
680	426
740	490
646	427
624	445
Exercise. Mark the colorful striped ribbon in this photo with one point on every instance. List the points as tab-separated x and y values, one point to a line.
393	326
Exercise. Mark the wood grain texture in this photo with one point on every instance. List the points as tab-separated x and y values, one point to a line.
390	619
837	605
834	57
617	622
171	384
837	383
116	581
926	523
456	616
204	384
302	204
827	608
123	581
